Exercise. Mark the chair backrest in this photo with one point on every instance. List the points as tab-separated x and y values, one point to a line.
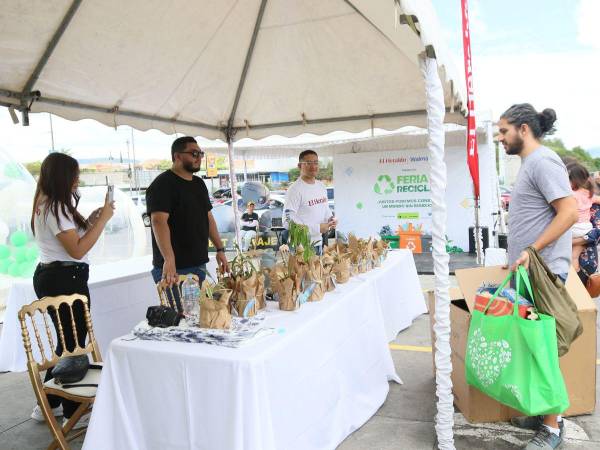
41	308
276	222
166	294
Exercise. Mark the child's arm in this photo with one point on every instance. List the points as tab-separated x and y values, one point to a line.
596	199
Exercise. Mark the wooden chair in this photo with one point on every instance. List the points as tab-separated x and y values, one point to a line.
83	395
167	294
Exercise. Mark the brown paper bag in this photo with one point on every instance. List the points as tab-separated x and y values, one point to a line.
328	276
275	276
375	258
314	275
297	265
288	295
368	254
214	312
261	302
246	293
341	269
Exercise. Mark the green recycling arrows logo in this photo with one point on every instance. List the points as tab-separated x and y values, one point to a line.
384	185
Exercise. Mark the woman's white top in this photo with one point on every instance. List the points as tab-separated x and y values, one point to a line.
47	227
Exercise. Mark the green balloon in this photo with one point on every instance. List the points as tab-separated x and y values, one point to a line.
26	269
12	170
14	270
20	254
18	238
4	251
32	253
4	265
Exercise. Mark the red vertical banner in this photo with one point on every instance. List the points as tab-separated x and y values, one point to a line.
472	155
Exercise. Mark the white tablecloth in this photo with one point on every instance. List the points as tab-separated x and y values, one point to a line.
323	375
399	292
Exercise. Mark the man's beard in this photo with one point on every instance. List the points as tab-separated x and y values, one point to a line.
516	147
189	167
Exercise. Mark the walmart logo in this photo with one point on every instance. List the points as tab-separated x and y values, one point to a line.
384	185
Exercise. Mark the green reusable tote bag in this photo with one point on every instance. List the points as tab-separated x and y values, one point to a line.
515	360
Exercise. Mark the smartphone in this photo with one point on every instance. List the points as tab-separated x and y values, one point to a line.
111	191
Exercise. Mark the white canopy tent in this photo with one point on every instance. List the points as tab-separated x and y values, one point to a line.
255	68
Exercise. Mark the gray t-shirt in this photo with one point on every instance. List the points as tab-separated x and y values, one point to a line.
542	179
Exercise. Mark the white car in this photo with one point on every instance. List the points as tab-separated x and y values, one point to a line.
139	201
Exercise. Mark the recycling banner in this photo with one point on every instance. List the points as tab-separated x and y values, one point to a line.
392	190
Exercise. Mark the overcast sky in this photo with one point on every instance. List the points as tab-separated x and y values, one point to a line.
546	52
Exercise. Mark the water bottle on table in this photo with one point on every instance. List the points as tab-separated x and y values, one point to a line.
190	291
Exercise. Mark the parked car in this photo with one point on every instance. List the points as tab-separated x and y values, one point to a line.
505	197
140	202
221	195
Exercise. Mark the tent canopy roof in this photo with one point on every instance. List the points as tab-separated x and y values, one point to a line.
254	67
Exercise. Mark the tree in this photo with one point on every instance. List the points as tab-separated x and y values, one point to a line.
294	174
33	167
325	172
577	154
165	164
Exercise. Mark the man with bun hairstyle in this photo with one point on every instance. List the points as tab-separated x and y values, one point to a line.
542	211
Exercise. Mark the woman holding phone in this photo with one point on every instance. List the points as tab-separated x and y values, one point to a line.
64	238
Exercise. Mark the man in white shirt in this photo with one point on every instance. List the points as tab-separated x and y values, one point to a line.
306	200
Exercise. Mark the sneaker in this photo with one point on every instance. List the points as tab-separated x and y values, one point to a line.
82	423
38	415
544	439
534	423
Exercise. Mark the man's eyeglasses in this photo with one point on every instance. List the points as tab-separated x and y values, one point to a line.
194	153
310	163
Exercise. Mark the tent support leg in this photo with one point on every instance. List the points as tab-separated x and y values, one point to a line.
233	185
444	419
478	237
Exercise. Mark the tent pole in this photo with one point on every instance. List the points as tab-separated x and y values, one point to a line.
233	185
477	231
444	419
499	180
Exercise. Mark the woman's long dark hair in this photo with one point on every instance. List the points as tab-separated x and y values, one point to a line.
580	177
57	177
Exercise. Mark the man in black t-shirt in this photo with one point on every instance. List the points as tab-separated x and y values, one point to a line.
182	222
249	226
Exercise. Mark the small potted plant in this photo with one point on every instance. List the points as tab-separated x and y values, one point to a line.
214	306
247	284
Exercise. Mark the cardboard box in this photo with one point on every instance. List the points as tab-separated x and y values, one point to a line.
578	365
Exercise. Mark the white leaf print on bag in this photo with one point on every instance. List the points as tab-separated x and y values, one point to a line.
514	390
488	358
